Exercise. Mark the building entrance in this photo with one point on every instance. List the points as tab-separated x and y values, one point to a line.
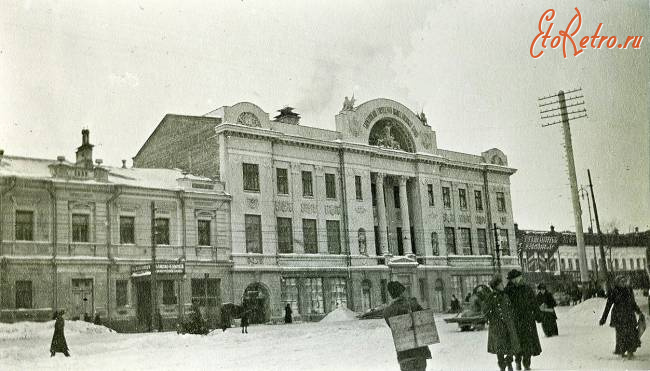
82	297
256	300
143	304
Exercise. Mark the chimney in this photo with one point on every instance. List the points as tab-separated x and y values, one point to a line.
99	162
60	158
552	229
2	155
123	164
85	151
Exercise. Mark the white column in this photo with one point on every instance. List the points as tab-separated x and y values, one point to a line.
381	214
406	223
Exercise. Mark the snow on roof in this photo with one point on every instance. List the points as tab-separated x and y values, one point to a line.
35	168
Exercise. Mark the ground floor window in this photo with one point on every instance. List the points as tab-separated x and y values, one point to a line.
206	289
313	299
338	292
289	294
24	294
457	287
169	296
470	282
121	290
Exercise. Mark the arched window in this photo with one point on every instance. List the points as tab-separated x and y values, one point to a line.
366	301
362	241
434	243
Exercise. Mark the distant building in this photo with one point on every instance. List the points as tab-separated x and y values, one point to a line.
322	218
78	236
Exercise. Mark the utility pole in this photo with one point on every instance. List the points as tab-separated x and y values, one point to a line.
154	287
584	191
497	249
600	235
550	105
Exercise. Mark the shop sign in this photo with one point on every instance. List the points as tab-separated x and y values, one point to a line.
539	242
161	268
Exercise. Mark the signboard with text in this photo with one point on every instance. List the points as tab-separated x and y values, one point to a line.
161	268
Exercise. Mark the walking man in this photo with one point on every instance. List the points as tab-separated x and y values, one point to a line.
58	339
526	312
411	359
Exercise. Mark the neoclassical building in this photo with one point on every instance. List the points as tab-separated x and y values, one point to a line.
79	236
321	218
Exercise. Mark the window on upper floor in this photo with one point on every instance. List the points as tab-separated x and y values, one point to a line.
466	241
462	199
396	198
309	236
446	198
285	235
361	237
357	187
282	179
333	237
161	227
478	200
203	227
307	184
501	202
373	191
127	233
80	226
434	244
330	186
24	225
504	242
430	194
481	239
251	177
253	233
450	240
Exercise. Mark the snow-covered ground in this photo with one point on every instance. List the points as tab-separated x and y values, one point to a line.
340	343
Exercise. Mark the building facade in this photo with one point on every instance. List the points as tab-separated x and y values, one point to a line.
80	236
322	218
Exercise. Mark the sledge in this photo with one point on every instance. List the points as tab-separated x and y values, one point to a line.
475	323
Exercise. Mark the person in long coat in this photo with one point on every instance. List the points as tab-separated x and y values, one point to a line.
287	313
526	312
502	334
455	304
411	359
245	316
59	345
546	304
623	319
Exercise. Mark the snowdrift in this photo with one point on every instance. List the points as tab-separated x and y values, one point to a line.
340	314
588	311
36	330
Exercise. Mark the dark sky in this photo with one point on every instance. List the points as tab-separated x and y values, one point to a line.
119	67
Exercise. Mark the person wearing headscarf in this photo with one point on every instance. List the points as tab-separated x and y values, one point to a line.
546	304
620	300
411	359
59	345
502	334
526	312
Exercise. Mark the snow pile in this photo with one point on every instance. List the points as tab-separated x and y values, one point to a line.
588	311
340	314
37	330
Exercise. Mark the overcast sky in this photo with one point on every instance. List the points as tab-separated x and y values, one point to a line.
117	67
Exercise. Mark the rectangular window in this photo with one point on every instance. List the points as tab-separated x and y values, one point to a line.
338	293
24	225
80	224
330	186
253	233
481	239
121	293
570	264
501	202
211	293
638	263
24	294
357	187
373	191
457	287
450	238
563	264
504	242
285	236
396	197
478	200
307	186
462	199
204	232
466	241
169	297
162	231
446	198
283	181
289	294
624	264
314	295
469	283
430	194
251	177
333	237
644	264
127	233
615	264
434	244
309	236
631	264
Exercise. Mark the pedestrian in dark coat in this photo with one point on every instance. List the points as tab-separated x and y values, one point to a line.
411	359
287	313
502	334
546	304
225	317
623	319
455	304
244	321
59	345
526	312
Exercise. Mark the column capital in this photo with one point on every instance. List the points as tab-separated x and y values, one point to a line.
380	176
403	179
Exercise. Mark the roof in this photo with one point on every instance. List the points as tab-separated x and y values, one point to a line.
38	169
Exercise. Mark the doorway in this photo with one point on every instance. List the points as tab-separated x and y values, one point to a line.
82	298
256	300
143	304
